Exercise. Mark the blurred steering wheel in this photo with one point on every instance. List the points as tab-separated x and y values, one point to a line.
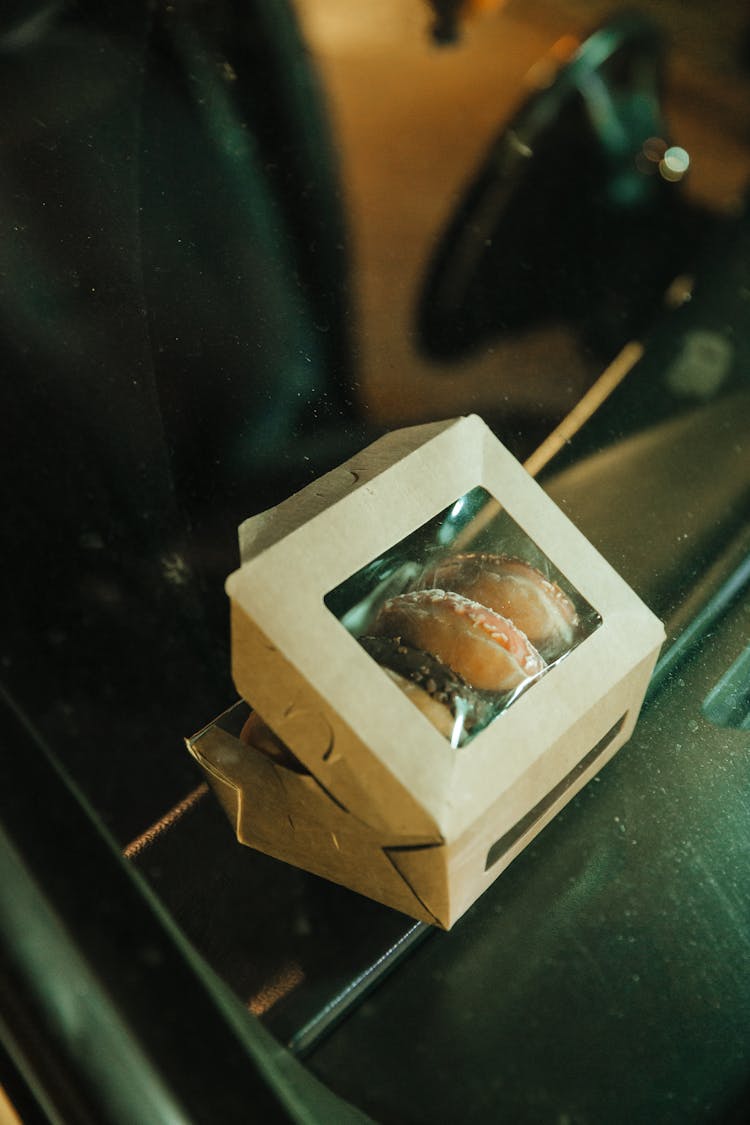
576	213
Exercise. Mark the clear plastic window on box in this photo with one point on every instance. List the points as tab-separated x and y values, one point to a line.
464	615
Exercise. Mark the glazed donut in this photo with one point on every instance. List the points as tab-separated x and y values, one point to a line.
481	646
437	713
450	704
516	590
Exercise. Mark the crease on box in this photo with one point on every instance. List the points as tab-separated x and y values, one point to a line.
291	816
319	737
416	865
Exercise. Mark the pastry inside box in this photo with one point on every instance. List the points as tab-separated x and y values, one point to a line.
464	615
446	670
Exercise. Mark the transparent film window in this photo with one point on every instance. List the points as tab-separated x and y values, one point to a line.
464	614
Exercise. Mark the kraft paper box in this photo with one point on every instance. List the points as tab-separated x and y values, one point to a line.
373	794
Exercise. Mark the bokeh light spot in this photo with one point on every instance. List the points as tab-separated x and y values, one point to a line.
654	149
674	163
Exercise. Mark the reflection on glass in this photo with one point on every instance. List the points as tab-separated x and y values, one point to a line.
464	614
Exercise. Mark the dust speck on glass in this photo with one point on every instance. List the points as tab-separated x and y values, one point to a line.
464	614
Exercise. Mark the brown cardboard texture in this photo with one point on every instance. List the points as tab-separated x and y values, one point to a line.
381	800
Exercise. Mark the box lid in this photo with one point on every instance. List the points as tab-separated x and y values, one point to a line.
319	690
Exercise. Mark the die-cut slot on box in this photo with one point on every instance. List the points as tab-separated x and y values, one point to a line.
436	662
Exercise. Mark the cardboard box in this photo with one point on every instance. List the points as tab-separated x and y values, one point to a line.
376	797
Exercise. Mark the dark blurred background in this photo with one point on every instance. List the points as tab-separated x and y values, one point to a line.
240	240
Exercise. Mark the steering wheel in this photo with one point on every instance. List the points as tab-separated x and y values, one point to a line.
575	214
